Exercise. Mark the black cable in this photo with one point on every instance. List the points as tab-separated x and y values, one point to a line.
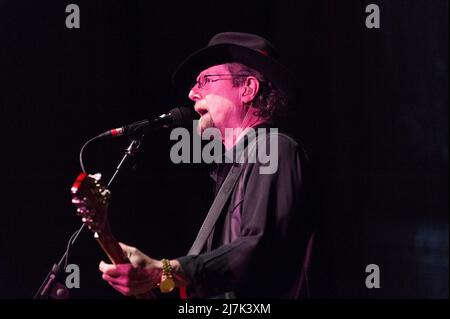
81	153
57	267
308	294
71	242
48	282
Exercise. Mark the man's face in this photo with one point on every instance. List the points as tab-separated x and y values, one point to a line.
217	101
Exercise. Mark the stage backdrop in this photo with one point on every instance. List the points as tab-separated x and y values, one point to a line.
372	113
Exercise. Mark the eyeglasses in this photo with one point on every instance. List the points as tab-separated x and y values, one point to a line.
201	81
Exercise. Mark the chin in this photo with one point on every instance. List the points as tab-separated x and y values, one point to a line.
204	122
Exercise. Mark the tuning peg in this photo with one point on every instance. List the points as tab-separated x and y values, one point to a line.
83	211
96	177
106	193
87	220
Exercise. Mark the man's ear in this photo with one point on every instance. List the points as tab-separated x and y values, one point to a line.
249	89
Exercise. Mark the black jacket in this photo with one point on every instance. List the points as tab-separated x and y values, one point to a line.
259	245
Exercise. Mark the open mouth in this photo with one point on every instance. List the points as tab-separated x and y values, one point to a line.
201	111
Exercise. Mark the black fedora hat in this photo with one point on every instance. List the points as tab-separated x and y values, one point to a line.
249	49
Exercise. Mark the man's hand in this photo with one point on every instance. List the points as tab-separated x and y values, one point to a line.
142	274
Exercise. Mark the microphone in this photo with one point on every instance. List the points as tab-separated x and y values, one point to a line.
179	116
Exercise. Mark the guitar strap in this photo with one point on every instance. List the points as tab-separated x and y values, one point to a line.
222	197
213	214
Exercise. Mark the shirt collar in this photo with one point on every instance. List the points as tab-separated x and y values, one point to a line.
236	151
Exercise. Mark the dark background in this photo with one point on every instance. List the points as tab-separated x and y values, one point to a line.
373	114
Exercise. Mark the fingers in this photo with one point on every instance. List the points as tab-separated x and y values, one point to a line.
117	270
109	269
104	267
122	281
130	285
135	256
136	277
126	279
128	250
128	282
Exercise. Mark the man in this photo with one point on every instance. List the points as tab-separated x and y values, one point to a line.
261	240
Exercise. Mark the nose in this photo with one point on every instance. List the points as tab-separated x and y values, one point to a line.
194	95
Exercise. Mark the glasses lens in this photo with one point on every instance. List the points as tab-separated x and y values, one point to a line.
202	81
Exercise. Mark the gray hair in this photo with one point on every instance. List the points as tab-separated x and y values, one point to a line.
269	102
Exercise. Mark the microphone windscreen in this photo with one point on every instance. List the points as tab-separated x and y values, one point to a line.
183	116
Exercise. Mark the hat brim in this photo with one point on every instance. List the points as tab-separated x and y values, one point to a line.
207	57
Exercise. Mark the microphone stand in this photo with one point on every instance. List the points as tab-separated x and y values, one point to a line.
51	287
130	151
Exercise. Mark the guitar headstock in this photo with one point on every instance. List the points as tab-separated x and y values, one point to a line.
91	198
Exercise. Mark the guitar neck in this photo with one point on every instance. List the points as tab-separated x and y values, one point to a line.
111	247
